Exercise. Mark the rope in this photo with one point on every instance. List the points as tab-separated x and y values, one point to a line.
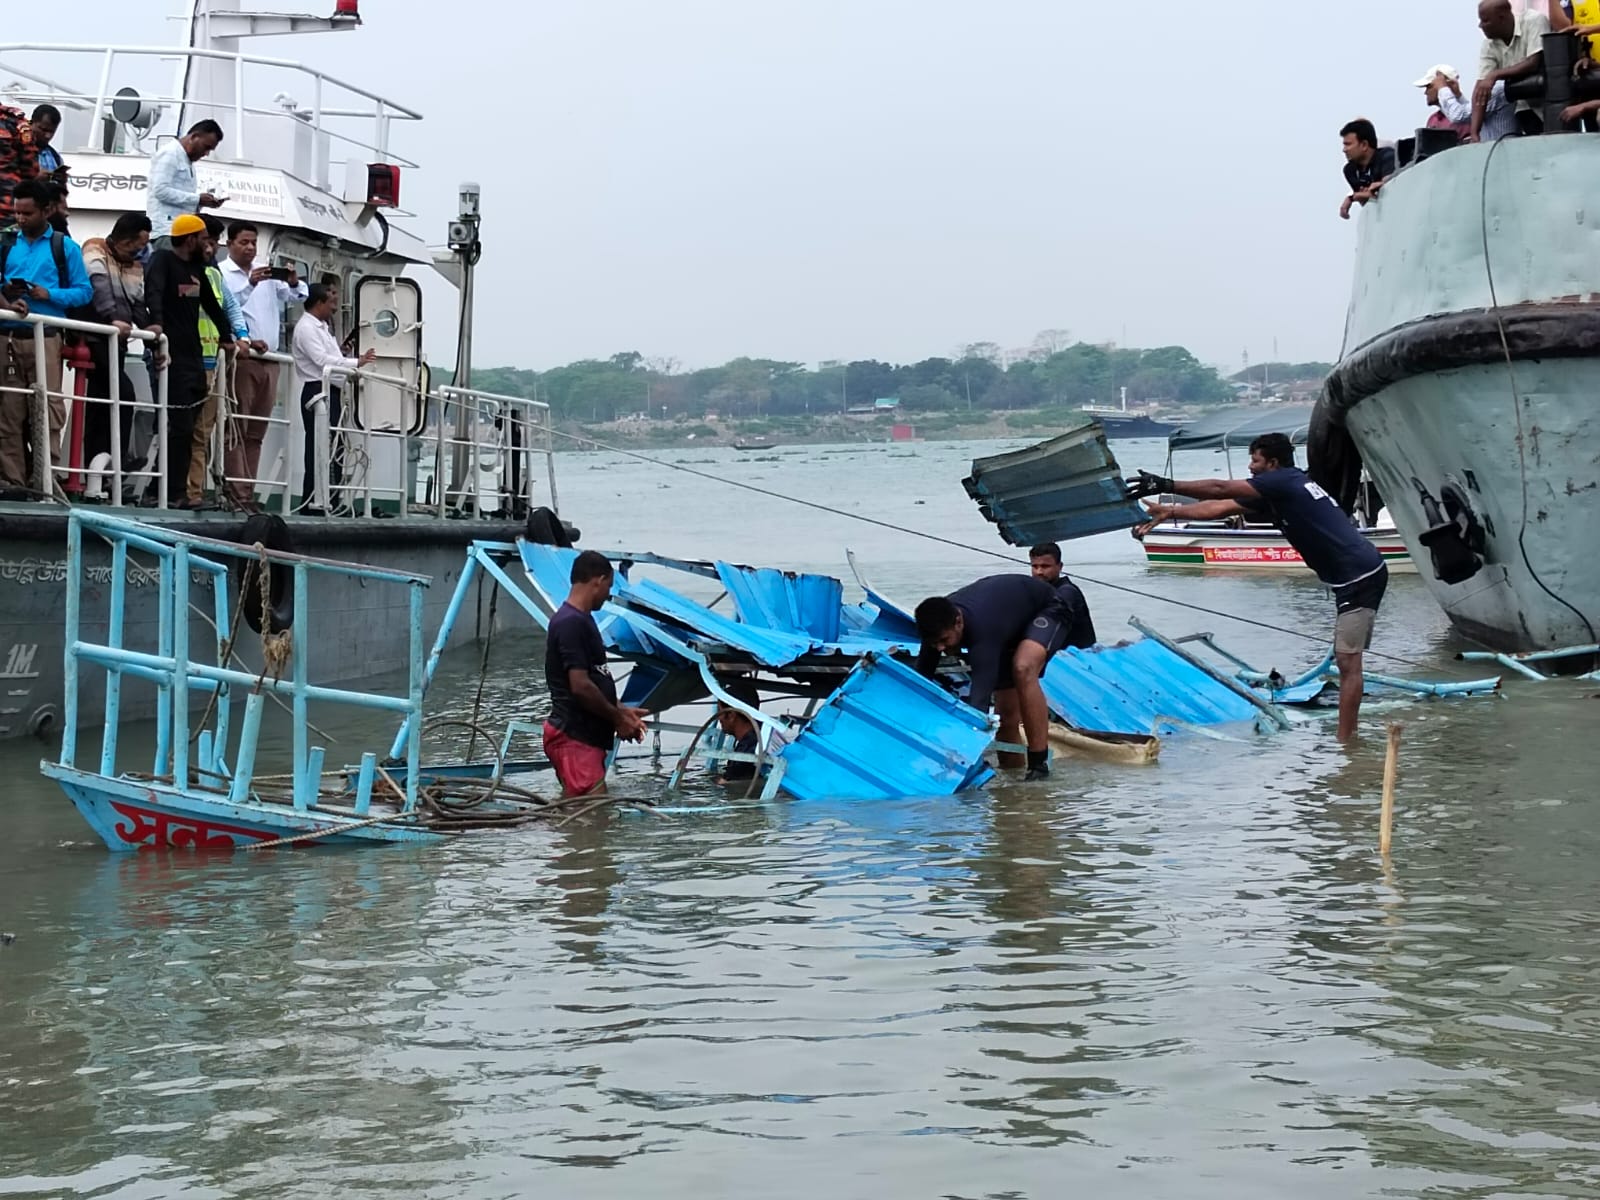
301	838
1516	395
276	648
944	541
483	675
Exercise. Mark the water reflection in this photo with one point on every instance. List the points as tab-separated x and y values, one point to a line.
1191	980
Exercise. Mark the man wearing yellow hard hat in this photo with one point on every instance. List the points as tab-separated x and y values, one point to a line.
177	292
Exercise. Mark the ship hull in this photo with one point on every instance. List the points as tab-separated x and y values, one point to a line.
362	632
1470	369
1460	427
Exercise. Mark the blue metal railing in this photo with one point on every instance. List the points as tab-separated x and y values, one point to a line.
177	674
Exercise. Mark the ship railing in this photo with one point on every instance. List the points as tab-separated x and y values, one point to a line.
58	469
229	431
473	434
183	665
332	99
509	430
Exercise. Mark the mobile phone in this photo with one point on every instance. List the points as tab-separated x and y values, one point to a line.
281	273
17	287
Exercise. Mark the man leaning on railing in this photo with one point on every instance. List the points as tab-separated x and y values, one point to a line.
216	367
44	274
315	351
117	276
176	293
263	292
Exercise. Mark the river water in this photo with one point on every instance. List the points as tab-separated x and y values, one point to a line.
1190	980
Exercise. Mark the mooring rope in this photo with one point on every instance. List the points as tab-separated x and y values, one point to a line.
952	542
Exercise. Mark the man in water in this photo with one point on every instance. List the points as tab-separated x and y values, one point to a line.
1045	562
1006	627
584	713
1316	527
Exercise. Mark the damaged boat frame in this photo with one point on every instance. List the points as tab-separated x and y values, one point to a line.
871	726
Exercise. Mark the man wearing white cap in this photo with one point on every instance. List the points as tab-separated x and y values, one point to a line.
1442	87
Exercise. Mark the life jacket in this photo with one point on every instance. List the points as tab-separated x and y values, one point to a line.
210	339
19	157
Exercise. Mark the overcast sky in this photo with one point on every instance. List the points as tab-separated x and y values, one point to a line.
819	179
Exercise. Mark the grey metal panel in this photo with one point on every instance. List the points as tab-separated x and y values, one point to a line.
1065	488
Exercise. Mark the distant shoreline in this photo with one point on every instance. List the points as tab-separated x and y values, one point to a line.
835	429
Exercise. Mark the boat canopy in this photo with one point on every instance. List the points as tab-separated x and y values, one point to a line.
1236	428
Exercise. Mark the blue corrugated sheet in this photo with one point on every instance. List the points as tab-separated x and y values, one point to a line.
1068	487
805	605
550	570
888	733
1129	689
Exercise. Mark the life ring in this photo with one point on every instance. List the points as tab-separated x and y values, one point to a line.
273	533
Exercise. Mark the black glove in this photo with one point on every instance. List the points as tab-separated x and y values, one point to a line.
1145	484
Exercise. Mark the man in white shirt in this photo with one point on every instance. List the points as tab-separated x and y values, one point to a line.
316	349
1513	48
263	294
174	188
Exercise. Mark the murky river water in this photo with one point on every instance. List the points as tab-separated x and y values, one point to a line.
1191	980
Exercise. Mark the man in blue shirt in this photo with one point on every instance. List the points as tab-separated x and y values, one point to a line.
1316	527
1006	627
33	283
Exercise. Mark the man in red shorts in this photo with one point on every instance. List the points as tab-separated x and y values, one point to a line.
584	713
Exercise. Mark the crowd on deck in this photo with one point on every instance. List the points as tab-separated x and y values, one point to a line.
168	271
1512	51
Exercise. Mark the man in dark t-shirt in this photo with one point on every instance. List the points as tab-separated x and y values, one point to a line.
1323	534
1045	562
1006	627
1366	164
584	717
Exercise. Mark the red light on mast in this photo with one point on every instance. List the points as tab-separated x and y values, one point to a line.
347	8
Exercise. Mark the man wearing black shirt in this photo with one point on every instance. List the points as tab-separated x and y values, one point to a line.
1006	627
1045	562
1316	527
1366	164
176	291
584	714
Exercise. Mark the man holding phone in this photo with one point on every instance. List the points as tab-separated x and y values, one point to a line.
44	274
174	186
264	293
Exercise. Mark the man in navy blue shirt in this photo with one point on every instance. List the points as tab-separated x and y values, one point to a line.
1006	627
1316	527
584	714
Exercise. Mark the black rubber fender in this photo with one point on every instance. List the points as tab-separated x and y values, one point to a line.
273	533
1332	459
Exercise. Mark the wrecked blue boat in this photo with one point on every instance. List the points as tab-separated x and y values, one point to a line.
826	681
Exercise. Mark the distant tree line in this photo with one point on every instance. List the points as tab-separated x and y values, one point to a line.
979	380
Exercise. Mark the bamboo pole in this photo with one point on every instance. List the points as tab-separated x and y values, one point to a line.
1391	766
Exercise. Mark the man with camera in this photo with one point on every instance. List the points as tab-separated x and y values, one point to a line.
264	293
44	274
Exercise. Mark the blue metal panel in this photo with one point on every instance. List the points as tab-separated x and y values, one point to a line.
886	733
1128	689
549	569
808	605
1068	487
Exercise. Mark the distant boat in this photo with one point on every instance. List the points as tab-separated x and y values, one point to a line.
1125	422
754	443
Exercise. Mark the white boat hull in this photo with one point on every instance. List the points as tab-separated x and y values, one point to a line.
1219	548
